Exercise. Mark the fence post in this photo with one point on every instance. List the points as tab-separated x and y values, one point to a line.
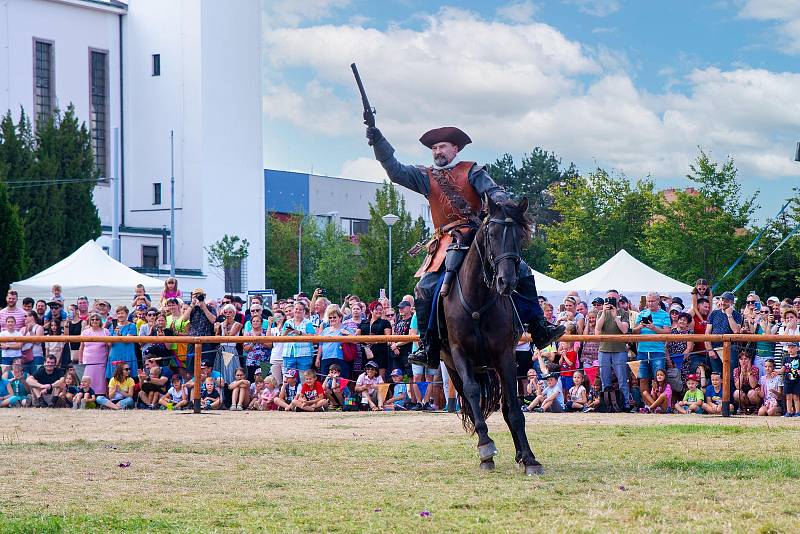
726	379
198	356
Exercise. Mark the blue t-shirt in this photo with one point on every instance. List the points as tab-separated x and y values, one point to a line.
332	351
398	389
660	319
713	394
414	326
720	325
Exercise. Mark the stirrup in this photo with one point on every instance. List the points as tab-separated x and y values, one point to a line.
420	357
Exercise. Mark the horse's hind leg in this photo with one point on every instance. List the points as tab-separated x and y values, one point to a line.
472	395
514	416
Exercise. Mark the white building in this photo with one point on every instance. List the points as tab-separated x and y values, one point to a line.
145	68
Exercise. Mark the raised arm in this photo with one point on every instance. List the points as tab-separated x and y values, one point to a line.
408	176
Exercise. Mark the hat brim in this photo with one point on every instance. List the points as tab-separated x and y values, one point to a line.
446	134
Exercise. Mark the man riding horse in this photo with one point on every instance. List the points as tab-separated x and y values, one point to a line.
454	189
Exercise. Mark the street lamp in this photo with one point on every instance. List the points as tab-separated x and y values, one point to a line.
390	219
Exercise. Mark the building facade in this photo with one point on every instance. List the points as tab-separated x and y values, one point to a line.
343	201
179	84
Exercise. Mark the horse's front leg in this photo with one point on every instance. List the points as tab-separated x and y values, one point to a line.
515	418
472	396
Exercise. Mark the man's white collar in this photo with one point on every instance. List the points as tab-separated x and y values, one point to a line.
448	166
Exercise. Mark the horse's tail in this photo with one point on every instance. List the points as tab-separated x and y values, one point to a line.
489	383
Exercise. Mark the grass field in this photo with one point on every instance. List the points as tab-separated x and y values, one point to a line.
336	472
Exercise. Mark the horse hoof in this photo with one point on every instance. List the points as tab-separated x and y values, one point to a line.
534	470
487	465
486	452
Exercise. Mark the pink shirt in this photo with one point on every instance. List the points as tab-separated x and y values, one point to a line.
18	314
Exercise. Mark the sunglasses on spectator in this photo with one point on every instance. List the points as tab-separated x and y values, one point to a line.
128	369
151	314
256	309
226	302
389	315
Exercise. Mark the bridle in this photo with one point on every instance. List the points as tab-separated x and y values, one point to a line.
494	261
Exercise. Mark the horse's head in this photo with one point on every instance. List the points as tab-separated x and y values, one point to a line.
505	228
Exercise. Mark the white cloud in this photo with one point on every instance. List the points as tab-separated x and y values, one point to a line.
520	12
279	13
597	8
516	86
785	14
366	169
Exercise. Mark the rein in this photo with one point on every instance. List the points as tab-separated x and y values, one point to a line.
489	281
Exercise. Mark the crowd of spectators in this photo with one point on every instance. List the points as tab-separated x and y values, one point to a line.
647	377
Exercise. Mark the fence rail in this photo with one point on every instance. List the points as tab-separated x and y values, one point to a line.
725	339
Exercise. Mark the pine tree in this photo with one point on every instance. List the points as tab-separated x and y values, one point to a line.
12	253
42	208
374	247
78	173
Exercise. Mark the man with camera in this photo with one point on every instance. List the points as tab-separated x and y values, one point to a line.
201	317
652	320
613	355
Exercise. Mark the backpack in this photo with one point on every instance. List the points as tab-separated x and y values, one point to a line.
611	401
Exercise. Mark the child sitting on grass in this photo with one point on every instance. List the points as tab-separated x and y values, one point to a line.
240	391
772	389
289	390
209	396
333	387
176	396
256	388
366	385
85	396
399	392
152	395
551	398
659	398
311	397
578	398
594	394
713	403
70	387
693	398
270	392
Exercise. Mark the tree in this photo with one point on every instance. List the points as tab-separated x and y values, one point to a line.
337	266
701	233
12	253
600	215
374	246
537	173
227	256
281	252
51	178
780	273
79	174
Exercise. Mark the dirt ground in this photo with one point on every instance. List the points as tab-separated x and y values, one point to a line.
220	428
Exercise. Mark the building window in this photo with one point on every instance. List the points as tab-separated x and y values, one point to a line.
156	194
156	64
149	257
98	114
235	277
44	77
355	226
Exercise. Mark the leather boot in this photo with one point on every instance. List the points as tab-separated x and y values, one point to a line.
543	333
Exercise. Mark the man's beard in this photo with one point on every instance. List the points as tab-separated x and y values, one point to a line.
440	160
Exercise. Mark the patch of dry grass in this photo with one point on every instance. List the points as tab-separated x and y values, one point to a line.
377	472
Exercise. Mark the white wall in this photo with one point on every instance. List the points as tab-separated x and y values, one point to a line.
74	29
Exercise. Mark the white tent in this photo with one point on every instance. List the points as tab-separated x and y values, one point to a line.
630	277
89	272
553	289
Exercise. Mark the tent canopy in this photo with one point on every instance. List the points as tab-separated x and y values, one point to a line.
89	272
549	287
630	277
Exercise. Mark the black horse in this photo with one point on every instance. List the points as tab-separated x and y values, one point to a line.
482	330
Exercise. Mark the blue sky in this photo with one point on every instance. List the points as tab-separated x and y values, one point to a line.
630	86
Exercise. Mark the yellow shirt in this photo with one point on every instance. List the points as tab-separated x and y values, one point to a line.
126	385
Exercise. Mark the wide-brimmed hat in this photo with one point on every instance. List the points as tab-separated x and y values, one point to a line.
448	134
